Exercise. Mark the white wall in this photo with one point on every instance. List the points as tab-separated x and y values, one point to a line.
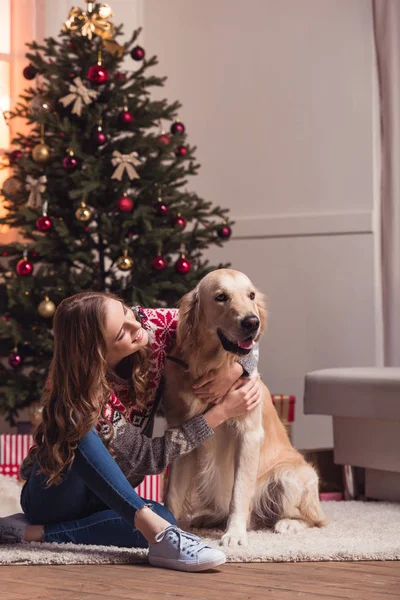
278	97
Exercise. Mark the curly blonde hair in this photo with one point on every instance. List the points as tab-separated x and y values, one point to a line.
78	388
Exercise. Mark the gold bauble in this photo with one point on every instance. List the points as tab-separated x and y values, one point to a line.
41	153
12	187
46	308
84	213
125	262
35	413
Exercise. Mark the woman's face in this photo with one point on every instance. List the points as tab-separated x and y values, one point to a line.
124	334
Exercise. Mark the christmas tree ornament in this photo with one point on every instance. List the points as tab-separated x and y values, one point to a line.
41	153
179	222
161	208
35	187
125	262
125	204
138	53
182	265
83	213
70	162
125	118
14	156
98	74
30	72
181	151
12	186
99	137
40	105
44	223
24	267
224	232
120	77
159	263
177	128
46	308
79	95
94	21
164	139
125	162
14	359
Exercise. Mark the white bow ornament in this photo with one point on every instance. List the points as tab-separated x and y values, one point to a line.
36	187
79	95
125	162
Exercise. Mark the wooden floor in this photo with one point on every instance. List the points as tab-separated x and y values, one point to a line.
277	581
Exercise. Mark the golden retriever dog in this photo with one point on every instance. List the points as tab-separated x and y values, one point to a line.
247	474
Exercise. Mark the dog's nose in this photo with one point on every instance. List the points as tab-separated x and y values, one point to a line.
250	323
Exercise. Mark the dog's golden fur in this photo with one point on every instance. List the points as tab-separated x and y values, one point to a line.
247	473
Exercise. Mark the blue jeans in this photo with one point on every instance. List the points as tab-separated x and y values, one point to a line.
94	504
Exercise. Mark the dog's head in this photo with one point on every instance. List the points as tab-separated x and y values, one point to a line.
225	306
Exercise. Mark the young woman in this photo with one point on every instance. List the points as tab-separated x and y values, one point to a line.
92	446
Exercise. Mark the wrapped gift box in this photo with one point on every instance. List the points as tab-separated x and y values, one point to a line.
285	406
15	447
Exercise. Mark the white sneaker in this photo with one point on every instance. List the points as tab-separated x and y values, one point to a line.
182	551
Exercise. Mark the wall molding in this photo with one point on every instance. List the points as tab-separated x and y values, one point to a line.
303	224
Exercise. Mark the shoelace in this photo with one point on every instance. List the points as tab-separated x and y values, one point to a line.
182	535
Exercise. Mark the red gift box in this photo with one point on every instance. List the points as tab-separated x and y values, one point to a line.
15	447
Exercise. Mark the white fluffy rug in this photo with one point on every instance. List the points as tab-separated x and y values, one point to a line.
356	531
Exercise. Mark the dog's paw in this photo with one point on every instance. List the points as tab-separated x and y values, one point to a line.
290	526
233	538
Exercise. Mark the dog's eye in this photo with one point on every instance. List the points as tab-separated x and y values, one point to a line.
252	295
221	298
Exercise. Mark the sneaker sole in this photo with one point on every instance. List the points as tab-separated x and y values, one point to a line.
166	563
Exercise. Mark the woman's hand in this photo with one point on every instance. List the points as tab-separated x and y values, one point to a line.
243	397
213	387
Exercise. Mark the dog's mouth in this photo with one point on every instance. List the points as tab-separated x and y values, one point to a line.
241	347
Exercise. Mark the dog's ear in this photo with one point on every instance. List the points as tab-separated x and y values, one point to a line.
262	311
188	316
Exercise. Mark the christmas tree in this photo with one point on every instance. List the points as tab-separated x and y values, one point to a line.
98	191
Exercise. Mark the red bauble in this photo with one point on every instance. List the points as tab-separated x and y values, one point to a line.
177	128
161	208
179	222
24	267
44	223
138	53
182	265
99	138
14	360
125	204
120	77
159	263
70	163
71	75
164	139
30	72
97	74
125	118
14	156
4	253
224	232
181	151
